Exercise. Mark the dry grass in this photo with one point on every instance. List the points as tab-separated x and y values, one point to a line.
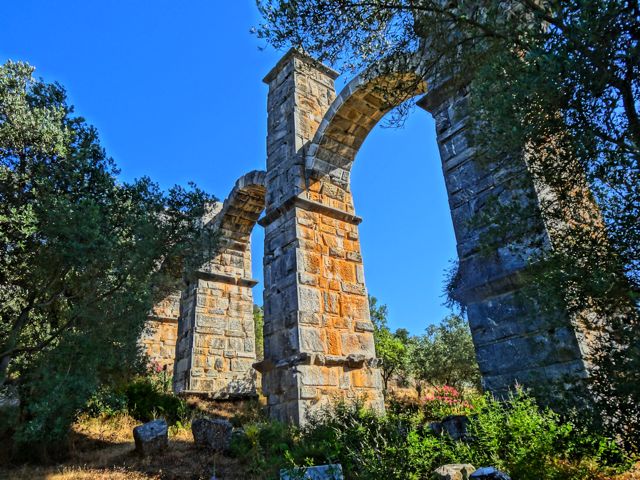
633	474
104	450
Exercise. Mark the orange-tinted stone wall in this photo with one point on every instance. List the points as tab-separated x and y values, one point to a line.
318	334
159	337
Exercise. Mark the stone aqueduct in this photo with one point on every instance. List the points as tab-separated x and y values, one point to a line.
318	336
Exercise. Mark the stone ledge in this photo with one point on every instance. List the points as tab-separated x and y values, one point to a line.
311	206
221	277
319	359
219	395
158	318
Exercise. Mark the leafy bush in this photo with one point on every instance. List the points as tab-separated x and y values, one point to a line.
145	402
106	402
516	436
263	446
445	400
533	443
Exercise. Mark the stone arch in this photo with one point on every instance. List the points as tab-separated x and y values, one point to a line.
216	337
354	113
234	220
318	333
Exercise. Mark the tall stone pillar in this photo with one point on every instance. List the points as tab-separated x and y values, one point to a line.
515	340
317	330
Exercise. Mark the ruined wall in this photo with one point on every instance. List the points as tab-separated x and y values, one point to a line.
159	337
514	341
318	334
216	336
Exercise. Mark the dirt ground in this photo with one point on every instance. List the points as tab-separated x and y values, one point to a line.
104	450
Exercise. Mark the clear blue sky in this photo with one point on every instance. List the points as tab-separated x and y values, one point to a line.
175	91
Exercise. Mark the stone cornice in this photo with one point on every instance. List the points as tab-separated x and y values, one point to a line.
159	318
320	359
228	279
311	206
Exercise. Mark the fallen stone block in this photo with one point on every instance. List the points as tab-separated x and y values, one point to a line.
453	471
319	472
212	433
489	473
151	437
456	426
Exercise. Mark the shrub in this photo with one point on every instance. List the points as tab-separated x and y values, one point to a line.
145	402
106	402
516	436
263	447
445	400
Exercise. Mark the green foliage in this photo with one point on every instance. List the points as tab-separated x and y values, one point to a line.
533	443
390	348
445	355
263	446
517	436
445	400
144	398
83	256
107	402
258	322
145	401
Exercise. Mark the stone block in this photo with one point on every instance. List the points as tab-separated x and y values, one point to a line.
454	471
319	472
152	437
235	344
308	393
310	340
489	473
240	365
213	434
309	299
364	327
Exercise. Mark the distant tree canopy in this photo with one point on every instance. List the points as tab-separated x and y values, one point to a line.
258	319
83	256
389	347
444	355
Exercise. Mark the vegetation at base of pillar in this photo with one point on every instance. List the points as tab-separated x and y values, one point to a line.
557	82
516	436
83	257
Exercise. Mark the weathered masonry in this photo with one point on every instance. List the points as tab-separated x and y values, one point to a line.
216	347
318	336
159	337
